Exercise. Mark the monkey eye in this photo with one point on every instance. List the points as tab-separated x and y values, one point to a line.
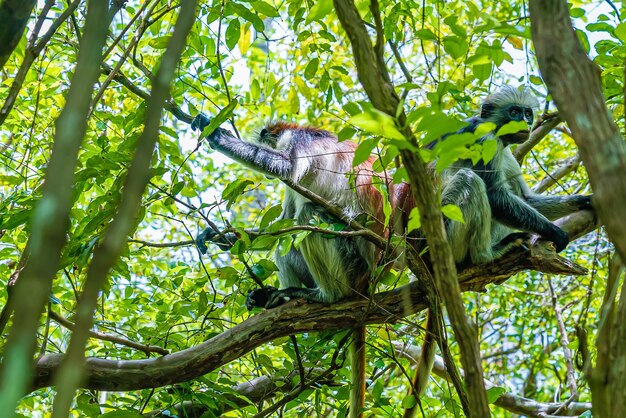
263	132
514	113
529	115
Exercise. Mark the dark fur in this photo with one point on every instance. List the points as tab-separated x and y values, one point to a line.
494	198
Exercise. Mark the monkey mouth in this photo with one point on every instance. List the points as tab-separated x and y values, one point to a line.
517	137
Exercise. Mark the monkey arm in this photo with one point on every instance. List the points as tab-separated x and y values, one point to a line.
264	160
511	210
554	207
268	161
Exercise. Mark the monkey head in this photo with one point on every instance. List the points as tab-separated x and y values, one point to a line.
510	104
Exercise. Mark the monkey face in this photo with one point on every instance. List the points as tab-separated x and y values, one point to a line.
517	113
267	138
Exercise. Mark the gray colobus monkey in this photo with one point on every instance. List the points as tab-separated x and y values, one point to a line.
322	269
493	197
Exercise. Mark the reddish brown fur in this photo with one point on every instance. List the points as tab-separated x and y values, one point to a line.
276	128
401	196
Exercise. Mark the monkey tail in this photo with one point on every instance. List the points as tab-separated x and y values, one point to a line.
424	365
357	360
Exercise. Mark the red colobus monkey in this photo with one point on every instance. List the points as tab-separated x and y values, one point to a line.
321	269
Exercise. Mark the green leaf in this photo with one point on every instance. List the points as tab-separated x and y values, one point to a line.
414	220
364	151
426	35
319	10
285	244
176	188
352	108
378	123
512	127
299	237
243	12
265	8
345	133
409	402
245	39
494	393
490	147
159	42
220	118
517	30
234	190
482	72
600	27
576	12
311	68
453	212
486	128
455	46
233	31
270	215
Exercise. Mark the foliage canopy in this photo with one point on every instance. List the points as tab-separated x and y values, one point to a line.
250	62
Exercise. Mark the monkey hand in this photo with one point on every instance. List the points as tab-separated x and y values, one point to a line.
200	122
262	298
224	241
202	239
560	239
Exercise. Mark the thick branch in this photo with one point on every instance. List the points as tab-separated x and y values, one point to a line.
32	52
14	16
564	64
551	179
297	317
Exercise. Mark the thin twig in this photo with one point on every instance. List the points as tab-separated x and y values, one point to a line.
569	364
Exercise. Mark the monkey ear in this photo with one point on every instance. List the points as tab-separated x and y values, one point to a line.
486	110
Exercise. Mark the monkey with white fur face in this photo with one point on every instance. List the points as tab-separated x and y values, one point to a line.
321	269
329	268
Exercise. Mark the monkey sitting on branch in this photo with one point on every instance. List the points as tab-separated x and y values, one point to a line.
321	269
495	200
329	268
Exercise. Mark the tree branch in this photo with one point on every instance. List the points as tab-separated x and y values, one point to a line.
111	338
551	179
32	52
169	105
297	317
14	16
